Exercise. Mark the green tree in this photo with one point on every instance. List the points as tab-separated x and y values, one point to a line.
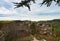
33	28
1	24
27	3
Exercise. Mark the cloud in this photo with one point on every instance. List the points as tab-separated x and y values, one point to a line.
7	18
4	10
35	18
8	12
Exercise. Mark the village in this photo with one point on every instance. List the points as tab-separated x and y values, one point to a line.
27	31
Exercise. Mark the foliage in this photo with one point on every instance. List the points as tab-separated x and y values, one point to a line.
33	28
27	3
1	24
48	2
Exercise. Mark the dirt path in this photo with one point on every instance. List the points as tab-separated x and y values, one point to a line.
35	39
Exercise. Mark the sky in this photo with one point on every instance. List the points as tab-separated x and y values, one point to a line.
37	13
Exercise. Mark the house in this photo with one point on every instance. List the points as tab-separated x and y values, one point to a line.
23	35
45	29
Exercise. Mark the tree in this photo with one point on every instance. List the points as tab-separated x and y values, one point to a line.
27	3
33	28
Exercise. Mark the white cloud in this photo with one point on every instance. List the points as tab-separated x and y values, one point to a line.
35	18
23	13
4	10
7	18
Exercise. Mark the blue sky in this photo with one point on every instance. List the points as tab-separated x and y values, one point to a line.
7	11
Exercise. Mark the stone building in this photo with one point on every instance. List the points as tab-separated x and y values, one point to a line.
45	32
45	29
